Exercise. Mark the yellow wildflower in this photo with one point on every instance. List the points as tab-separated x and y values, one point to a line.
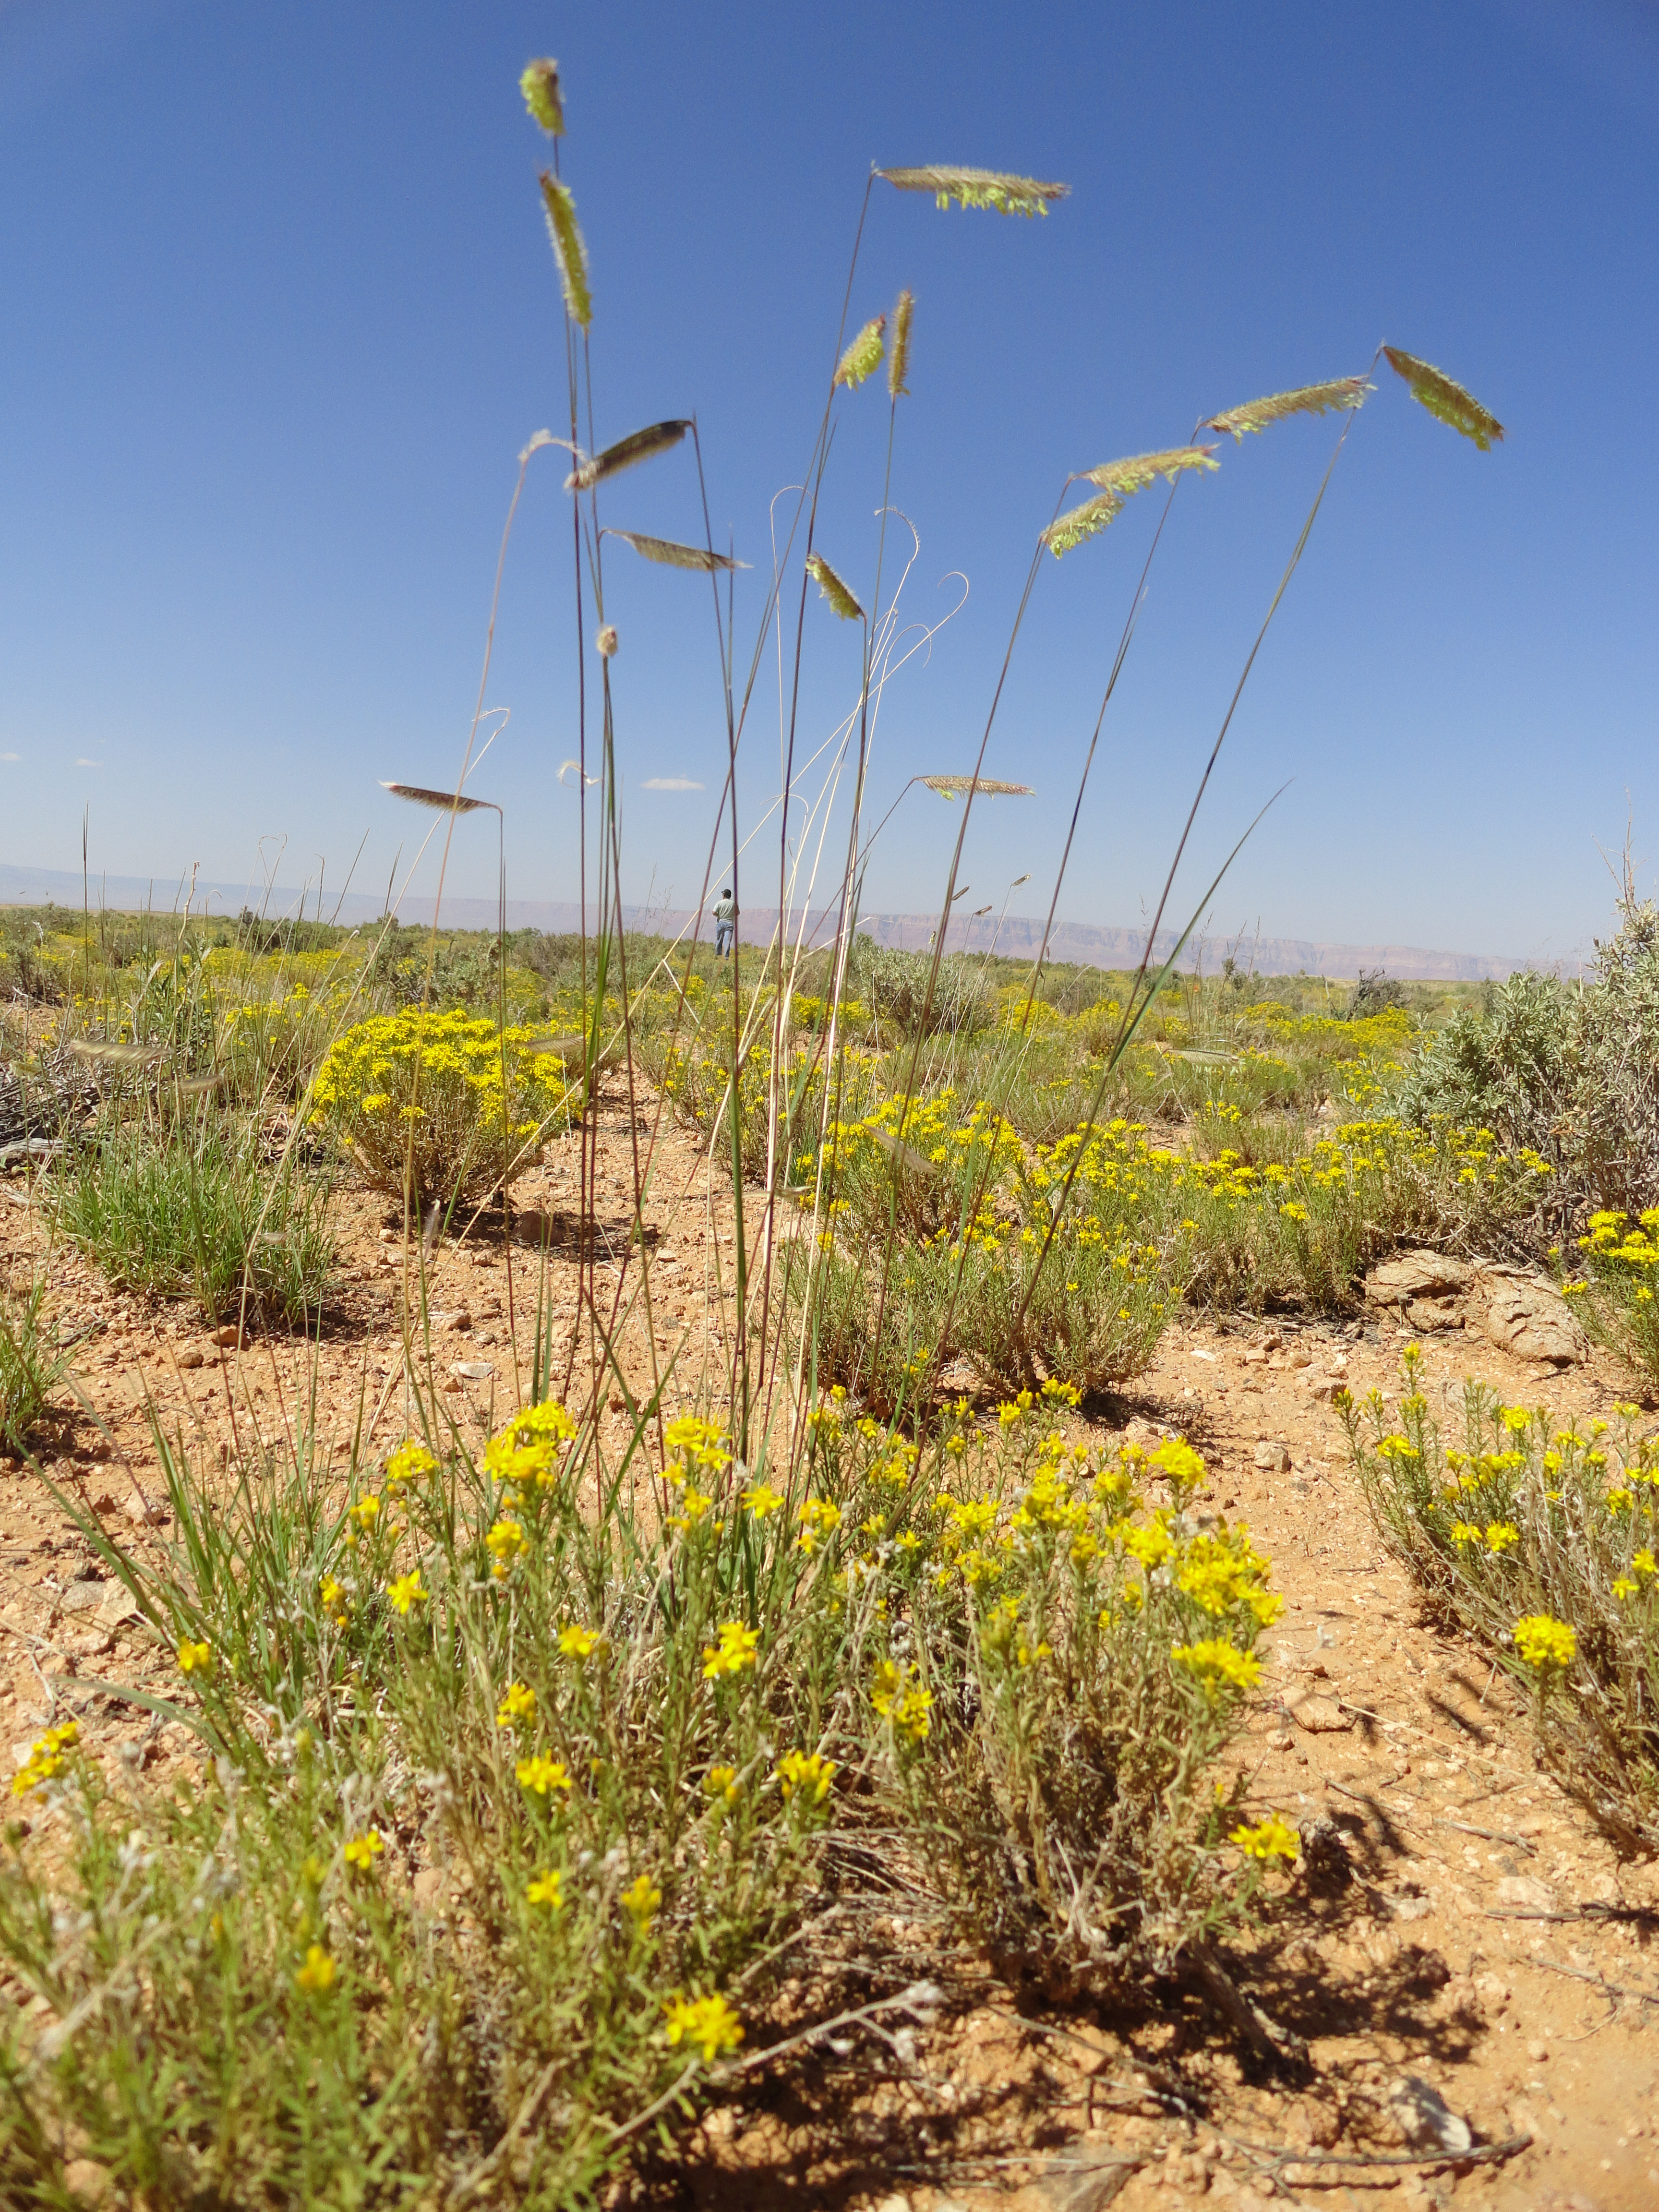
409	1463
807	1773
518	1705
406	1591
1218	1667
641	1901
318	1973
720	1786
1271	1838
506	1540
1545	1644
709	2024
542	1774
735	1651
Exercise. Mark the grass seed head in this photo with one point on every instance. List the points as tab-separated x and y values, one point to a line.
540	86
840	599
1447	401
898	356
979	188
1341	391
569	250
864	356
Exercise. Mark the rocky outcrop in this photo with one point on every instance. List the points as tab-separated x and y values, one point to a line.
1519	1312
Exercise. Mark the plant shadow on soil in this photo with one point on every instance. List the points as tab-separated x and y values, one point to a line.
850	2126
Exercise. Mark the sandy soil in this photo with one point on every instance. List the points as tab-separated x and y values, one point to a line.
1486	1940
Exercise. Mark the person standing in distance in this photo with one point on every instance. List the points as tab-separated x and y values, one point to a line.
725	923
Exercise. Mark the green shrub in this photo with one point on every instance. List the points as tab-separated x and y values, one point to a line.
1541	1543
895	986
1571	1074
1511	1066
197	1208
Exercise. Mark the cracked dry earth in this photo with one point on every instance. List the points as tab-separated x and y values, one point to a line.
1481	1939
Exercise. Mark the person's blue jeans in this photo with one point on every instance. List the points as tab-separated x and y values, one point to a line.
722	939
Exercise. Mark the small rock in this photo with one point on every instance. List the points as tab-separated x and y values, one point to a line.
103	1503
1528	1320
1320	1715
1326	1862
142	1515
472	1370
1493	1991
229	1335
1526	1891
1538	2051
81	1596
428	1887
1272	1459
191	1357
1416	1275
87	2181
91	1646
1426	2120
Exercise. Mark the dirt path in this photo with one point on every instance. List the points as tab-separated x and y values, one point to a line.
1482	1940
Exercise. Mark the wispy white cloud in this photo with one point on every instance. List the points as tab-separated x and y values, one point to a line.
83	763
10	757
669	783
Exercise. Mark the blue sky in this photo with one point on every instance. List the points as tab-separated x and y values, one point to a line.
280	314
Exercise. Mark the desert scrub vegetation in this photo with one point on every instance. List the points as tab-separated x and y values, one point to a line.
1541	1542
523	1770
1069	1261
512	1800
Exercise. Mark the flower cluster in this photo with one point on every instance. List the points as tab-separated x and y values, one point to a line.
48	1756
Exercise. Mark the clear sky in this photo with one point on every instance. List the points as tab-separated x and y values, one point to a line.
279	312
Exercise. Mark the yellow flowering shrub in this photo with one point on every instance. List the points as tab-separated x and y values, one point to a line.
1542	1541
630	1734
1617	1295
422	1091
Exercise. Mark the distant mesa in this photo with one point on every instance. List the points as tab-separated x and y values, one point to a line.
1018	938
